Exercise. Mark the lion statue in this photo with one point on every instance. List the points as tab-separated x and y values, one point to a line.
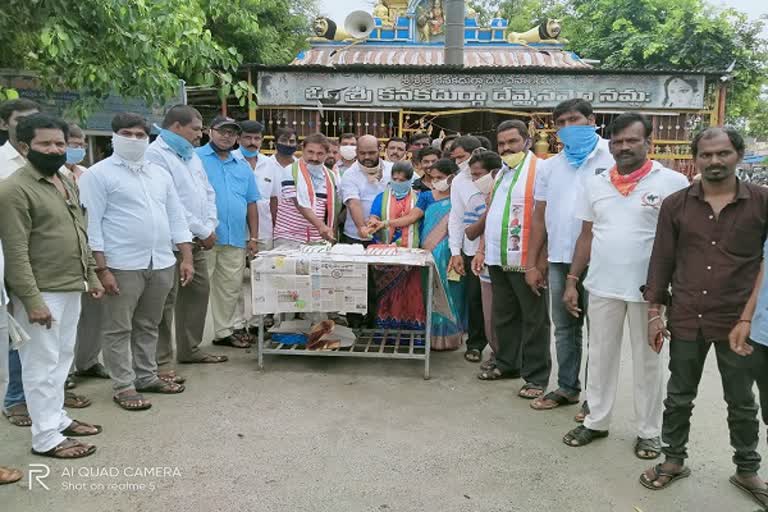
325	29
548	32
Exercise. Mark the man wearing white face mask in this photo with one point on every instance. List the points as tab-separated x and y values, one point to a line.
463	188
135	219
347	152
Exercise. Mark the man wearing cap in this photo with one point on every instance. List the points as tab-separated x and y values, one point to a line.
237	234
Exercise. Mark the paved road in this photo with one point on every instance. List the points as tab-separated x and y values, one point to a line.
323	434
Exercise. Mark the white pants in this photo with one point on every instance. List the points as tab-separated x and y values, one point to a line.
3	350
226	265
45	361
606	329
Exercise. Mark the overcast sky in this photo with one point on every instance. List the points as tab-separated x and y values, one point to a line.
337	10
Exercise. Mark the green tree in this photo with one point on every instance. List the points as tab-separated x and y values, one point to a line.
757	123
657	34
142	48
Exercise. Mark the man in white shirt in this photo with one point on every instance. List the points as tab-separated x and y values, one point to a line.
134	220
520	316
365	180
463	249
14	403
174	151
619	209
559	183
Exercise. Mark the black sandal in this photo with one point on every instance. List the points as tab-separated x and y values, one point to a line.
556	400
57	451
162	387
583	436
124	401
659	473
473	355
231	341
494	373
71	432
528	386
652	445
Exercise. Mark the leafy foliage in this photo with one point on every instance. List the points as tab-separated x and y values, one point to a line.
142	48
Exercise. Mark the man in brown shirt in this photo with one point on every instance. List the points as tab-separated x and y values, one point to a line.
48	266
708	247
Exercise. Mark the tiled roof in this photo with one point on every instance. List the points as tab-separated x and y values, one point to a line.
474	57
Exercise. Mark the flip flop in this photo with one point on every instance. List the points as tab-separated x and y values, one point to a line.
207	359
658	473
71	432
56	451
759	495
555	400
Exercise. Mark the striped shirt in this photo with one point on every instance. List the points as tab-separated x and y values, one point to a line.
475	208
290	223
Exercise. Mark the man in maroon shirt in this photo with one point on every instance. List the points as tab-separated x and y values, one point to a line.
708	247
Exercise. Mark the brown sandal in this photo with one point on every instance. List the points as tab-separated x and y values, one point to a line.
530	391
68	449
18	415
170	376
74	401
72	429
658	472
9	475
132	401
163	387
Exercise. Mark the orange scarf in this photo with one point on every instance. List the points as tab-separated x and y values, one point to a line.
626	183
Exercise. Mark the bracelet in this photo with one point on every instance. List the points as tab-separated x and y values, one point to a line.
742	320
657	317
572	277
253	239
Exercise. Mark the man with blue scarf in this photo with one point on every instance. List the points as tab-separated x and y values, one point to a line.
558	184
174	151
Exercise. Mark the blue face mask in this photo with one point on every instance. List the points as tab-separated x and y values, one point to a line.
579	142
75	155
247	153
177	143
400	188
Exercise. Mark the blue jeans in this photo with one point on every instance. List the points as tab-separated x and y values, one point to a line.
15	393
568	330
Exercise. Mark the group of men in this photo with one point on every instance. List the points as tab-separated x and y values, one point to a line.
153	234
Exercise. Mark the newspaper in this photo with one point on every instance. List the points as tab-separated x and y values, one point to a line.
319	280
305	283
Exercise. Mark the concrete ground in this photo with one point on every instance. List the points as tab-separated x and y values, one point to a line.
327	434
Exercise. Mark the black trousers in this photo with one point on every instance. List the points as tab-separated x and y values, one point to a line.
476	320
686	364
356	320
522	327
760	375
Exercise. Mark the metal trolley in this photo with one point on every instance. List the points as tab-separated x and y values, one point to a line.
370	343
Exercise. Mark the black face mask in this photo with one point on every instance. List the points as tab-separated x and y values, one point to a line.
46	163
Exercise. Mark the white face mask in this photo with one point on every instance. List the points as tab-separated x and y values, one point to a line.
484	184
348	152
442	185
129	149
464	166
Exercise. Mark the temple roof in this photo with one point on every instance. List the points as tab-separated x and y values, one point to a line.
474	57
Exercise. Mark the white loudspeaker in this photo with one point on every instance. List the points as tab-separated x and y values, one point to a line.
359	24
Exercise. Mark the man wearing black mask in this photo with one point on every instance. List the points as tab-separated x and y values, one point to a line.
43	222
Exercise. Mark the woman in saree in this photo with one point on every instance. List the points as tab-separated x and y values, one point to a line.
399	297
433	207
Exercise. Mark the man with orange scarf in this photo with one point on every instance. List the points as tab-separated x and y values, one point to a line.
619	208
